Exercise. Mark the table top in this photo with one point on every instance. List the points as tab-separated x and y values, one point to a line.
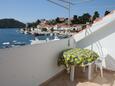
79	56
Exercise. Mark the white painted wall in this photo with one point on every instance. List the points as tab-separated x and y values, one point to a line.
30	65
101	39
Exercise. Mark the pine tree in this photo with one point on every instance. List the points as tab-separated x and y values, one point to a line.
106	12
96	15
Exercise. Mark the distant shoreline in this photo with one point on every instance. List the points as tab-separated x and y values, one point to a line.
11	23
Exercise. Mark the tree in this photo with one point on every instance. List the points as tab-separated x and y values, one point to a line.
38	22
33	25
75	19
66	21
29	25
86	18
96	15
106	12
57	20
80	20
52	22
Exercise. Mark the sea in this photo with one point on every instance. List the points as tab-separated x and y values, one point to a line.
10	36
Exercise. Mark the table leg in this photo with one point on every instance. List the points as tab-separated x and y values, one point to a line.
72	73
89	72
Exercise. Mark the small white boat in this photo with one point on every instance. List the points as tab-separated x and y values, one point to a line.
19	43
14	41
56	38
34	41
6	43
47	39
37	41
51	34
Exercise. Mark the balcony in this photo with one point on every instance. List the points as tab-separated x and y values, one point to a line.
81	79
33	65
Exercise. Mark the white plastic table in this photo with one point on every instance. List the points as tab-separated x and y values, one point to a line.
72	72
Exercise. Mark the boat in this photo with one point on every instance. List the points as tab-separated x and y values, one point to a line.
15	43
6	43
56	37
37	41
19	43
47	39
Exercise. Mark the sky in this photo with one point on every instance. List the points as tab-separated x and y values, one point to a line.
31	10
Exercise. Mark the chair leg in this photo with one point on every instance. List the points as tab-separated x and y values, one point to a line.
101	70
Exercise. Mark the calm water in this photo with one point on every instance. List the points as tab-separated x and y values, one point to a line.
11	35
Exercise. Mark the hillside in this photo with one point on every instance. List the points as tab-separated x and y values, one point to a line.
11	23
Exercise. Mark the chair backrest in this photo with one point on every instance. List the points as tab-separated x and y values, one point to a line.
104	53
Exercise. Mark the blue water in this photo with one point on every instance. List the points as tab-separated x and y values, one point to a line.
10	35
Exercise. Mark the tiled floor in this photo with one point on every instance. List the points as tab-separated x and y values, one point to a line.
81	79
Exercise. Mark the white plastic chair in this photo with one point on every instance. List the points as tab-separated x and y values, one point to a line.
99	61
